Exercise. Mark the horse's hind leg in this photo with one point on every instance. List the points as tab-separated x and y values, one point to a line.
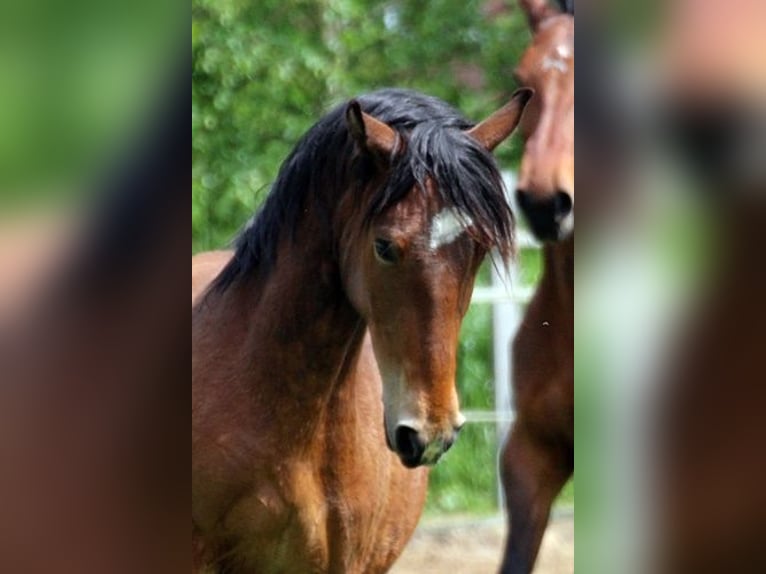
533	472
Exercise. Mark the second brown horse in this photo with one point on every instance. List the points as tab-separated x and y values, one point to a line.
538	456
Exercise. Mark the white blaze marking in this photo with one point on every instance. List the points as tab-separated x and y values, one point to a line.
559	62
566	227
563	52
446	226
554	63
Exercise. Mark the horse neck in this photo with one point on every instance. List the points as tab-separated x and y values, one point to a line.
559	271
297	336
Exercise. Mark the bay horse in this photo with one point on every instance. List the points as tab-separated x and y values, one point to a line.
537	457
324	350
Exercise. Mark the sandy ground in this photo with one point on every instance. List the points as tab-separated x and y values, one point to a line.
475	547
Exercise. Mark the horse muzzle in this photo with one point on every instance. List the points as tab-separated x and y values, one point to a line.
415	449
551	217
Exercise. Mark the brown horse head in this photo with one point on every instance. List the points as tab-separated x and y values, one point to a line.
426	214
545	190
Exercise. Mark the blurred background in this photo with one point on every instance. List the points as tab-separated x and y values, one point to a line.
93	234
671	143
78	84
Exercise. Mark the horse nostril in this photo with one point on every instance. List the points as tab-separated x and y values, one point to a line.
562	204
409	446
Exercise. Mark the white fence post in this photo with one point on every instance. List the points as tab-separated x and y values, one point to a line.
506	316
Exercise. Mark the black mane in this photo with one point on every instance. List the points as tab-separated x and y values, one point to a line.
322	165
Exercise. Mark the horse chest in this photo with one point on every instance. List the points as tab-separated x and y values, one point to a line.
293	523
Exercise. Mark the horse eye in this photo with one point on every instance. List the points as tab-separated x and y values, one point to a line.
385	251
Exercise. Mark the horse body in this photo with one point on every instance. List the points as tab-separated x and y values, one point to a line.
348	288
538	457
286	469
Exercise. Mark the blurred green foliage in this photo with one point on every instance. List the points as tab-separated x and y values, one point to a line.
264	72
77	80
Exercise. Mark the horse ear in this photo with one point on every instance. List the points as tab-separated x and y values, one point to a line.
501	124
369	133
537	11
